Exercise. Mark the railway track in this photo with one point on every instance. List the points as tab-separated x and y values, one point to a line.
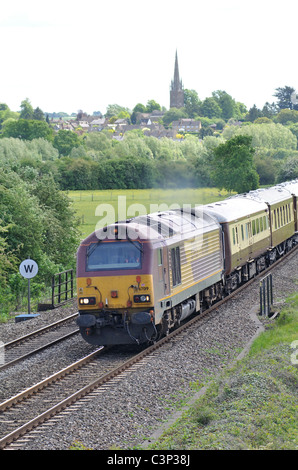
36	341
34	405
73	384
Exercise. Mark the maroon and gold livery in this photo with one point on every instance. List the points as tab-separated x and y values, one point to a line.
139	278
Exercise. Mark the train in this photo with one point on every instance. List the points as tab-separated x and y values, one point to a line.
140	278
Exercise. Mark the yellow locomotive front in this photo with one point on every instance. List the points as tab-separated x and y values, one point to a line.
115	289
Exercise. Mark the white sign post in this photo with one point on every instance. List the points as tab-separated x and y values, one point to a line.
28	269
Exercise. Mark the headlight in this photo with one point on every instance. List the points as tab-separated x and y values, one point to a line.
87	300
141	298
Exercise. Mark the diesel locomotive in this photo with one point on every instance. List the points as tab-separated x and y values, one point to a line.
137	279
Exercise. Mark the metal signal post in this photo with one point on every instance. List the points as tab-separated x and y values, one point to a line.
28	269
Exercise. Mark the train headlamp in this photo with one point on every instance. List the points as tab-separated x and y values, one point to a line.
87	300
141	298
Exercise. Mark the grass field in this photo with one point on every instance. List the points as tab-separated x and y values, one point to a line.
92	206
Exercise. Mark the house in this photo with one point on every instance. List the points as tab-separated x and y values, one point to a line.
146	119
186	125
97	125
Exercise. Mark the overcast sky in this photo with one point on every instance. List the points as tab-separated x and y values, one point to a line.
66	55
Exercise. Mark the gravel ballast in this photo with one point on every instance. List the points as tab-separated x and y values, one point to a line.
134	408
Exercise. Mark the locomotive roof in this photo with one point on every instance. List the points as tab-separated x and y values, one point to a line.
176	222
159	225
235	207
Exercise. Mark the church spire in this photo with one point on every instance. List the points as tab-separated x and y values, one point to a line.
176	70
176	93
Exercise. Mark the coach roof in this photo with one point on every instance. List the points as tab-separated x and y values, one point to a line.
291	186
270	195
235	208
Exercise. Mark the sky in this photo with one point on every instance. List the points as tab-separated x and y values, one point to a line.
66	55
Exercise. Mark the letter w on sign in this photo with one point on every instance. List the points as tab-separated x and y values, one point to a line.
28	268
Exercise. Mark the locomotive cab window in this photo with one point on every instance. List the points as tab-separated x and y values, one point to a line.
113	256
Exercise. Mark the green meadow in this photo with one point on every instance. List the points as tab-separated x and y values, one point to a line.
92	206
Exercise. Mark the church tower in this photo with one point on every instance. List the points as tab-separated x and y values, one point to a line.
176	92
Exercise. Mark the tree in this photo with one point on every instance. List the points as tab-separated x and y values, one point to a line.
284	96
38	114
65	141
27	129
191	103
270	136
7	259
6	113
173	114
60	222
226	103
152	105
287	115
233	167
26	109
139	108
288	170
114	110
269	110
253	114
39	223
210	108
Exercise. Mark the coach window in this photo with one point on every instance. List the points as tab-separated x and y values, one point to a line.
234	239
242	233
253	227
275	224
289	207
258	225
290	213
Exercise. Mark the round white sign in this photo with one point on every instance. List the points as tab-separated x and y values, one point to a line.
28	268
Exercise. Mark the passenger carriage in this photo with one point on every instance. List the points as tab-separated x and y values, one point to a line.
292	187
246	236
282	218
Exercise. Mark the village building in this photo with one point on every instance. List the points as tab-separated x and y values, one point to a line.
150	124
186	125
